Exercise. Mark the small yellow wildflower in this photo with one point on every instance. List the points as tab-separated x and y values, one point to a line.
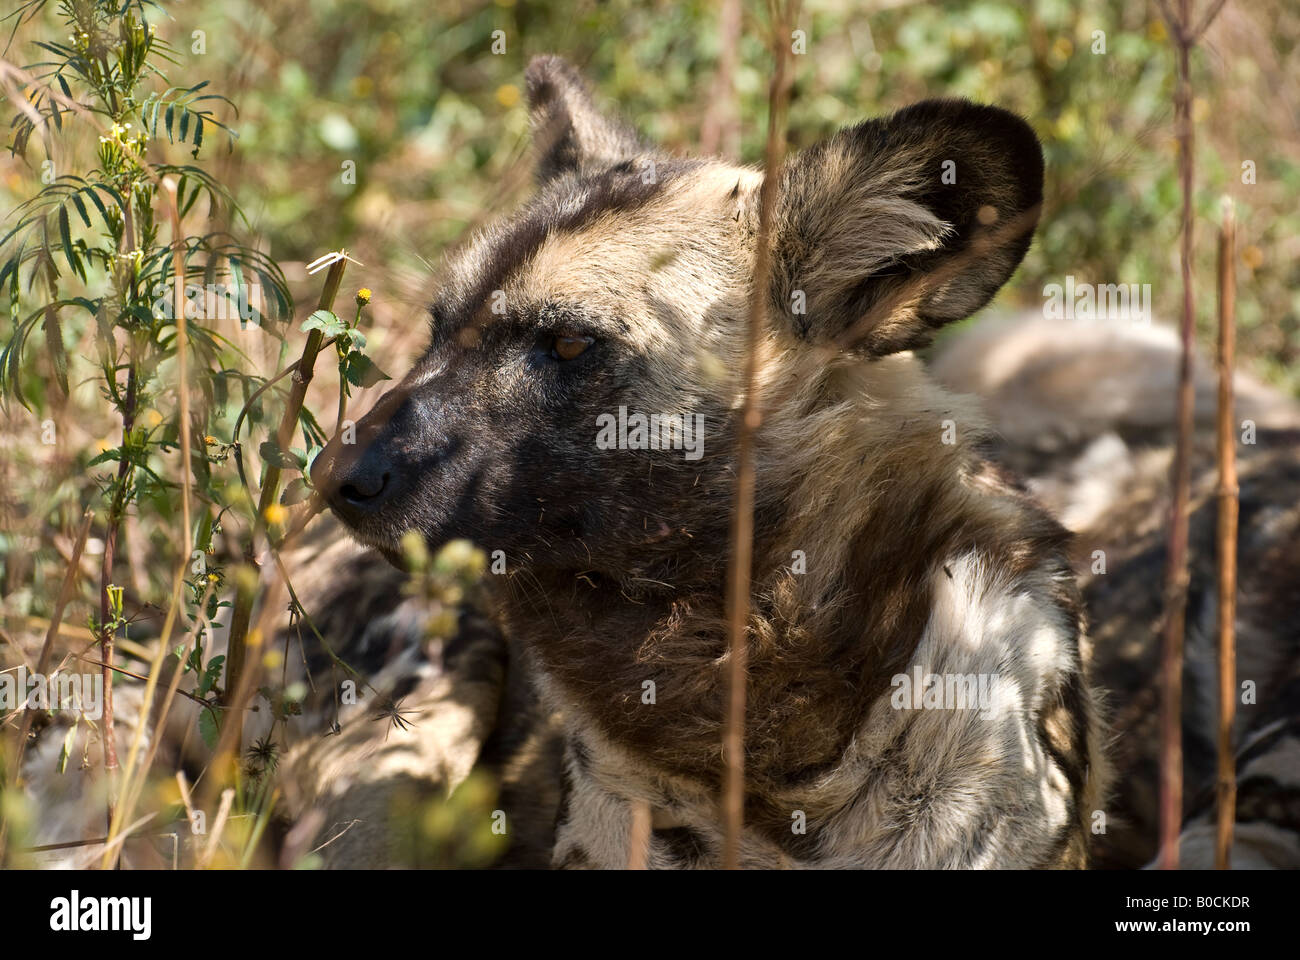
210	440
275	514
507	95
363	296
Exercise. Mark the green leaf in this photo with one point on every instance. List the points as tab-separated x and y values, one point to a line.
209	729
11	357
106	456
312	430
66	751
81	208
351	338
324	321
211	674
270	452
54	343
295	491
361	371
65	235
237	274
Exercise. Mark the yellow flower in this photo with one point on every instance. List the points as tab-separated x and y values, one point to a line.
507	95
275	514
210	440
363	296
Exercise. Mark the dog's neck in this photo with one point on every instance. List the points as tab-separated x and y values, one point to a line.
840	593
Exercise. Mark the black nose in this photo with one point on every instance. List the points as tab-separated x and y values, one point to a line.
355	483
364	486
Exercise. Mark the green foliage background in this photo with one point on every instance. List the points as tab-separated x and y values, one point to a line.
436	124
434	120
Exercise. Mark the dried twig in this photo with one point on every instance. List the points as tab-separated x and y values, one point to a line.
638	836
183	785
182	358
1176	577
1227	537
113	844
136	676
720	128
218	827
742	524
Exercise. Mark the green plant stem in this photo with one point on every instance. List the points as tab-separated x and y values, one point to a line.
237	649
117	509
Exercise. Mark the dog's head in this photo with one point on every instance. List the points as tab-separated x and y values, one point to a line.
576	404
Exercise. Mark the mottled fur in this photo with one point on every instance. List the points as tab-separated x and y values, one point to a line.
1085	411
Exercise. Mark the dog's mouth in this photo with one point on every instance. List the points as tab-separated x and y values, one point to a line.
396	557
388	548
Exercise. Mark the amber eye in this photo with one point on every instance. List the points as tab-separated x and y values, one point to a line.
567	348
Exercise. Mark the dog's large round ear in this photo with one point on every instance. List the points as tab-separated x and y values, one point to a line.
569	133
893	227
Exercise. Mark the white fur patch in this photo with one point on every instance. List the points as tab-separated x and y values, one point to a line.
961	788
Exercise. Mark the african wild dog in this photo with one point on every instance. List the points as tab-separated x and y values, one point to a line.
879	548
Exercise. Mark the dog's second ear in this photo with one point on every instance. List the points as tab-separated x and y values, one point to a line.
923	214
569	133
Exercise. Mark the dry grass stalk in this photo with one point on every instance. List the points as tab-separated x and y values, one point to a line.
182	358
1227	539
742	525
720	128
1176	577
218	827
638	846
